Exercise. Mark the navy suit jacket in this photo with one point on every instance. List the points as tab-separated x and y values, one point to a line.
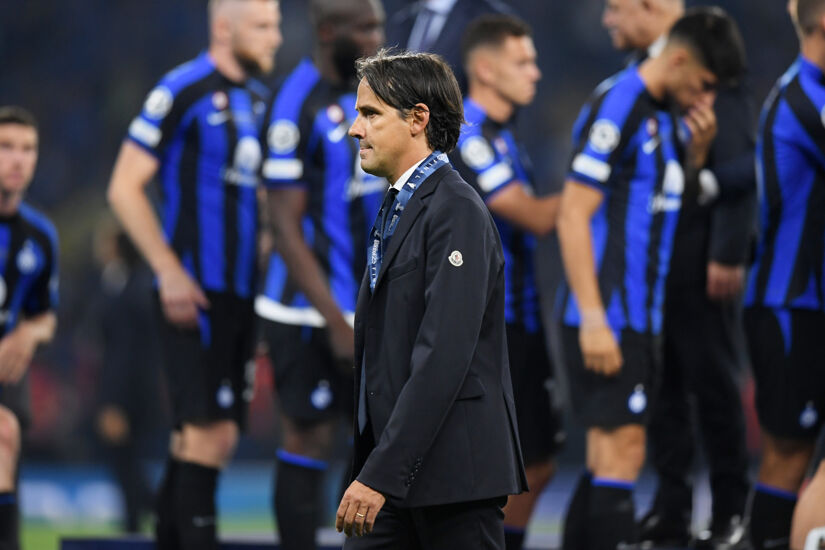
448	43
442	422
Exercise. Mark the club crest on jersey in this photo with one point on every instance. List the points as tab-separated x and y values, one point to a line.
159	103
220	100
225	396
604	136
477	153
501	145
321	396
638	400
283	136
652	126
335	114
27	259
809	416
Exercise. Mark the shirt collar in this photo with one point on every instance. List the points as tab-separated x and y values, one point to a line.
399	183
441	7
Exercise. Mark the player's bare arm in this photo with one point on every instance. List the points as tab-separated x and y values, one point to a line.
286	209
180	295
600	350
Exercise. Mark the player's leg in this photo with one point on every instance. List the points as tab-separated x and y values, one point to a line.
9	456
721	419
786	350
313	397
670	433
615	410
810	512
539	426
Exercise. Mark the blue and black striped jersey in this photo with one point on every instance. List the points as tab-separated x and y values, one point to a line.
205	131
489	158
627	146
309	147
28	266
790	257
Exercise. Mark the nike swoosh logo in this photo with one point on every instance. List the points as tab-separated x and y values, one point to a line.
338	133
651	145
216	119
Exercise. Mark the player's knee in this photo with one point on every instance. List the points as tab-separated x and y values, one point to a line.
212	443
9	432
539	474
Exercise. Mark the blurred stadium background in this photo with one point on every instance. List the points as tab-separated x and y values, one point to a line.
83	67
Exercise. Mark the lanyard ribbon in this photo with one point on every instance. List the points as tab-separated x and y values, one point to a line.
385	225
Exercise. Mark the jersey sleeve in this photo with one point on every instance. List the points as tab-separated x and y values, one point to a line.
43	296
156	124
480	164
601	137
287	139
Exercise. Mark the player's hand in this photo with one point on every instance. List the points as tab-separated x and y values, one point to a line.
16	352
600	350
358	509
725	282
181	297
342	342
701	120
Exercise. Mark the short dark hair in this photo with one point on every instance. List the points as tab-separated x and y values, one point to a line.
403	79
12	114
491	30
714	38
808	14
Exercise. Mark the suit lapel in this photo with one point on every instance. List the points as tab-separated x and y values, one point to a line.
417	204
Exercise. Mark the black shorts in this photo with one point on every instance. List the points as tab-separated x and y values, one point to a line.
610	402
209	369
310	386
539	419
787	350
17	398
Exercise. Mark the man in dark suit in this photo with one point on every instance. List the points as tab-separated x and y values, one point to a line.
437	25
436	444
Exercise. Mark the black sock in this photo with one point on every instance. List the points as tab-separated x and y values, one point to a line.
575	522
166	535
297	500
195	515
770	520
514	538
9	522
611	515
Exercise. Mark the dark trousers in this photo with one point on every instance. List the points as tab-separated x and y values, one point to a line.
698	378
463	526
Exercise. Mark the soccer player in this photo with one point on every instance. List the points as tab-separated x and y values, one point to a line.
28	298
322	206
616	224
199	130
713	241
784	317
500	61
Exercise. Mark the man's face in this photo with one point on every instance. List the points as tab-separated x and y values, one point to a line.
514	69
359	33
18	158
256	35
689	82
383	136
623	20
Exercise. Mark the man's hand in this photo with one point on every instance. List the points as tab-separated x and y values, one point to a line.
600	351
16	351
342	342
358	510
180	297
725	282
701	120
